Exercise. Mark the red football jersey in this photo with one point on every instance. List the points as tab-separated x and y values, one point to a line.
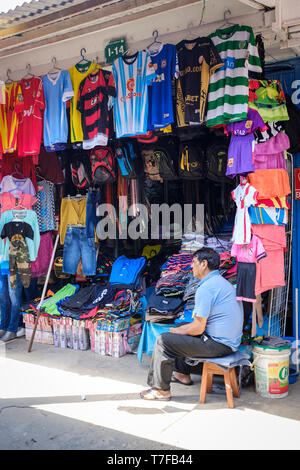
31	120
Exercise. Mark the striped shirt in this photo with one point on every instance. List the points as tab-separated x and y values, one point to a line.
92	102
9	110
132	76
228	92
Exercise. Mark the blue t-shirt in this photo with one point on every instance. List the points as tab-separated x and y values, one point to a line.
57	92
165	64
215	299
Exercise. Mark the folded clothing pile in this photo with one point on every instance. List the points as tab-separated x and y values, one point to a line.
161	309
189	293
172	284
191	242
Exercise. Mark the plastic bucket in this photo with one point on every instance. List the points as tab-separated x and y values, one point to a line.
271	371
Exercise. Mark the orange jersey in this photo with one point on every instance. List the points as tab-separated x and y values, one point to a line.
13	105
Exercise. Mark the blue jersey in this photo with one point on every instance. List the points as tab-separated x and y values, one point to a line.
132	76
57	91
165	63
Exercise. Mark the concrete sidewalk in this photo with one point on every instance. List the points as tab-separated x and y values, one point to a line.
56	398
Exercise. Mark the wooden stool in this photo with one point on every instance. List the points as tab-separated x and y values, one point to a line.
231	385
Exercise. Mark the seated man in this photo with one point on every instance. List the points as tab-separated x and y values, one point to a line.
215	331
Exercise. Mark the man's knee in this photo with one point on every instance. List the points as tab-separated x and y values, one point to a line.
164	340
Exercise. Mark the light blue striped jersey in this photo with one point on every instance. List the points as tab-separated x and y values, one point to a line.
132	76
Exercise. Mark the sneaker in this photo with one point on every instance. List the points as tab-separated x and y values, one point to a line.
21	332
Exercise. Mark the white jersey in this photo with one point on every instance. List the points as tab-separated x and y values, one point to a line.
244	196
132	76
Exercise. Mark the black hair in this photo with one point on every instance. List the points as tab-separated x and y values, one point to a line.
211	256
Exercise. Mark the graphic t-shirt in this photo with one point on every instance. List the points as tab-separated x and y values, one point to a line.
77	73
9	120
57	90
13	230
92	102
228	91
165	64
31	121
251	124
198	59
132	76
251	253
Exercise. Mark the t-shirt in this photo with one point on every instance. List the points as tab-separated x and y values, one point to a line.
197	59
16	186
229	87
251	253
9	119
77	73
57	90
267	97
215	299
244	196
253	122
165	64
132	76
11	229
45	206
8	201
92	102
31	122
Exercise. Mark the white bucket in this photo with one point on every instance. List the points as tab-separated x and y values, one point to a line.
271	370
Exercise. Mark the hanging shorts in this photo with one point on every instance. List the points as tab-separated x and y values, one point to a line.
239	160
246	275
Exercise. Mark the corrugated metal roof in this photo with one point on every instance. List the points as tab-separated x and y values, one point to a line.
34	9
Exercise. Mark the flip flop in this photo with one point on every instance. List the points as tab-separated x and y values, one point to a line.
152	396
175	380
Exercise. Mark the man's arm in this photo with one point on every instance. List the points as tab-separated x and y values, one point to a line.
195	328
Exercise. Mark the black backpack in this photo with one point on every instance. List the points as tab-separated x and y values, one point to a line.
165	164
216	161
130	164
191	161
103	165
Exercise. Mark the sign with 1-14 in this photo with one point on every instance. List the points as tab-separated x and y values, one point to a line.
115	49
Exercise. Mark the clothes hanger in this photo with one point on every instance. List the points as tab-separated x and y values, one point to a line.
83	59
226	22
28	70
17	171
130	52
54	69
154	43
9	79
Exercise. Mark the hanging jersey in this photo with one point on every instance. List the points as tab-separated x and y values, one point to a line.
92	102
165	64
9	121
2	92
198	59
228	91
132	76
31	121
57	90
77	73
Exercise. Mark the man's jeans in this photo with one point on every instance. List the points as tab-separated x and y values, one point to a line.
77	245
170	350
10	301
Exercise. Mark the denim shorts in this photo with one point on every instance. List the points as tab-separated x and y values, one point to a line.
77	245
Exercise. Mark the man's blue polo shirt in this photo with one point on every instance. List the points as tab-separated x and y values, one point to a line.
215	299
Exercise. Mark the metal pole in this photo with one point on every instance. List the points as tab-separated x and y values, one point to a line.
297	328
43	293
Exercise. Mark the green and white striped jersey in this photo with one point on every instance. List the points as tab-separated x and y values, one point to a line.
228	87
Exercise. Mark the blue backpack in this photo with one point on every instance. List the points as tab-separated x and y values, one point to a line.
127	272
129	162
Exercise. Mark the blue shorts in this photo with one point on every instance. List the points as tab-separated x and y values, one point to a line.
77	245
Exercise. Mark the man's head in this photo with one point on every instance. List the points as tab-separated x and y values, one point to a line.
205	260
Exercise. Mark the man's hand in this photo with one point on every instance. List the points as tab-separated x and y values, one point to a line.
195	328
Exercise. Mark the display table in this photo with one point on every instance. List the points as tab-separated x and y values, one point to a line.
148	337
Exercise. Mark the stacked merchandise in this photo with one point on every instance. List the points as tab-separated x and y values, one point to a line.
262	197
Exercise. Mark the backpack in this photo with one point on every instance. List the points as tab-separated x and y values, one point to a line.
151	165
190	162
129	163
165	164
216	160
80	171
102	163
